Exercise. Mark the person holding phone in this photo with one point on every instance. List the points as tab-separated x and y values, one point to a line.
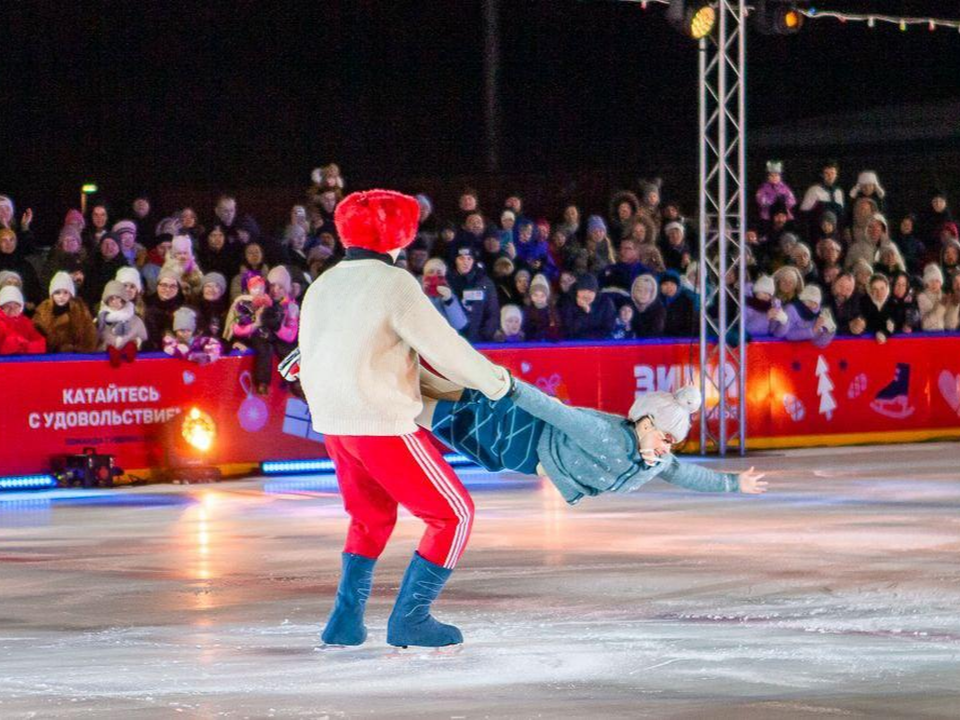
435	286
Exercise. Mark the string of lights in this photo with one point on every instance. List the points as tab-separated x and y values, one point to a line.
871	19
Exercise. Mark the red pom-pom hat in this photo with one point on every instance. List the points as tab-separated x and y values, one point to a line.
378	220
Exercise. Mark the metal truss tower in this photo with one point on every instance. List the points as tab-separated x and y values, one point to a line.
722	265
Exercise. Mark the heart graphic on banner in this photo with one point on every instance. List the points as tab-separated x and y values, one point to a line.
950	389
525	367
188	377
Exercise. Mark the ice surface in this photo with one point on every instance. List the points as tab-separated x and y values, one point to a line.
835	595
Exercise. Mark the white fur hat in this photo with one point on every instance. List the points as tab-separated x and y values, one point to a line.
811	293
670	411
510	311
63	281
764	284
932	272
11	293
435	264
130	275
185	319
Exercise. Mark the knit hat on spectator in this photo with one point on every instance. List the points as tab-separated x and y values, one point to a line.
503	266
951	228
932	272
670	411
280	276
829	216
465	247
185	319
671	276
674	226
130	275
74	217
168	274
595	222
425	203
508	215
182	244
114	288
588	281
764	284
110	236
214	278
811	293
879	217
63	281
510	311
540	280
774	166
377	220
122	226
11	293
435	265
9	277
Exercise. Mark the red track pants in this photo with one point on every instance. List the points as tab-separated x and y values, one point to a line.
376	474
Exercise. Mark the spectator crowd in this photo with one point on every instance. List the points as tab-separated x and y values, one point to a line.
196	288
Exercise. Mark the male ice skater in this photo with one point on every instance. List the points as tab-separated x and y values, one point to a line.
363	327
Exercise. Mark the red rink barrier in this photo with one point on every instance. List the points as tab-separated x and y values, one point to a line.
852	391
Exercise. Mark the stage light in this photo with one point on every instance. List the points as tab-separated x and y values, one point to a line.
27	482
694	18
782	20
190	439
89	188
199	430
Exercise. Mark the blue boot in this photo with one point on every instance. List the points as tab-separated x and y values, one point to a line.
410	622
345	626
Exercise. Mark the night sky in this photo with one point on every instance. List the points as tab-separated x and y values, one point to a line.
245	94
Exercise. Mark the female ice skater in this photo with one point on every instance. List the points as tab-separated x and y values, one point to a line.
582	452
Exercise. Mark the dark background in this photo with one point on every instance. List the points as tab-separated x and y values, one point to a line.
249	96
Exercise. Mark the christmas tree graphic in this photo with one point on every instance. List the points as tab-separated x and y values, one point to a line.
825	389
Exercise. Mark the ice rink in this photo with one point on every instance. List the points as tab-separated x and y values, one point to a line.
837	594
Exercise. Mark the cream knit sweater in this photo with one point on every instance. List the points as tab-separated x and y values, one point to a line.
363	326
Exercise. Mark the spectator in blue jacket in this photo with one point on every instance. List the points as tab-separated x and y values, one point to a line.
592	316
476	294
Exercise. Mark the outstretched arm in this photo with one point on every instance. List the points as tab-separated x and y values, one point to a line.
585	428
701	479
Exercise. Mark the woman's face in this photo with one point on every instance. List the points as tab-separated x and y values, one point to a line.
626	314
115	302
188	218
130	291
522	282
98	216
538	297
507	222
559	238
624	211
939	204
868	189
512	324
951	256
900	287
70	244
879	290
60	297
645	293
787	284
8	243
167	288
253	254
827	227
109	249
567	281
571	215
216	239
526	232
6	215
639	232
934	285
183	256
277	291
212	292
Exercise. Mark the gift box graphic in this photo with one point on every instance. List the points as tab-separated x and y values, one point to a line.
296	421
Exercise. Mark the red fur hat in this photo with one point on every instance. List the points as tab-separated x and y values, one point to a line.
378	220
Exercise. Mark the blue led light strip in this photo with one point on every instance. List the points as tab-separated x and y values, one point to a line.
27	482
325	465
